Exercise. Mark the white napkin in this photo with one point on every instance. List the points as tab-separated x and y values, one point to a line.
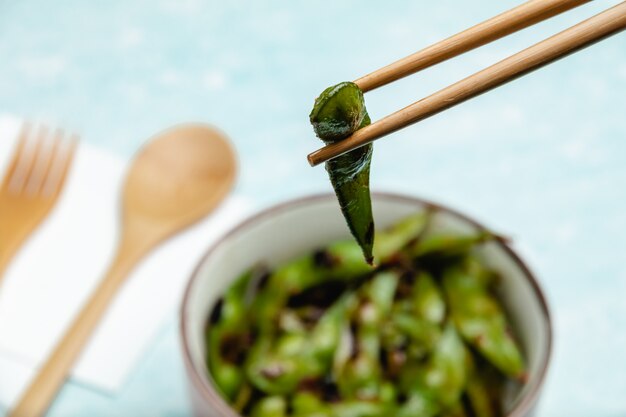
62	262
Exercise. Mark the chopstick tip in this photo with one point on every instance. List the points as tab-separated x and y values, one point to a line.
312	160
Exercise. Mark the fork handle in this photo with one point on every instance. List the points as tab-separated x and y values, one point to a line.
8	249
6	254
52	375
12	236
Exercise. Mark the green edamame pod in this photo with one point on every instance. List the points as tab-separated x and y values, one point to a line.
361	375
471	265
337	113
448	244
243	397
360	378
444	376
227	336
428	300
273	406
419	404
307	404
231	309
228	377
381	291
482	323
277	365
355	408
266	371
326	334
479	398
390	241
424	335
456	410
388	393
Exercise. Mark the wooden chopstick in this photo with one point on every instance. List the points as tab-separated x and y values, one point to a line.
518	18
577	37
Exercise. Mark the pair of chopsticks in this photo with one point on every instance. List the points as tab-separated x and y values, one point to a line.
575	38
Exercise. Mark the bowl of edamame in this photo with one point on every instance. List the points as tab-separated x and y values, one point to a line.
283	317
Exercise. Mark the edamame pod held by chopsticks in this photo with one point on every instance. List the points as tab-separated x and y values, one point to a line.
338	112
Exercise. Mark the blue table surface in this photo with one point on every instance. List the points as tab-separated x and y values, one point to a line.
541	159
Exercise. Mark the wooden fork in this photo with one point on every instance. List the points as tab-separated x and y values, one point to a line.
32	184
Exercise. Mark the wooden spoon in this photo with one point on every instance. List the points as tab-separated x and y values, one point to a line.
177	179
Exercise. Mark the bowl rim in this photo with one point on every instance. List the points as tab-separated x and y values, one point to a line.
201	381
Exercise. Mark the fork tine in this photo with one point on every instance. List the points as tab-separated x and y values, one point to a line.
60	167
31	160
18	154
43	163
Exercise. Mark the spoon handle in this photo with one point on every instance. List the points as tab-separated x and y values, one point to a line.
52	375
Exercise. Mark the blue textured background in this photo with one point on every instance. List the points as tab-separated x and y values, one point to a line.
541	159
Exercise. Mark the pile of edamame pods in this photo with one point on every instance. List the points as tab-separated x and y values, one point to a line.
422	334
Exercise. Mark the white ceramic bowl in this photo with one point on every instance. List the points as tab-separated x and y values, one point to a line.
297	227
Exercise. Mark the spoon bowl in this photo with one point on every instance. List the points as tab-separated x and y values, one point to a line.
175	180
